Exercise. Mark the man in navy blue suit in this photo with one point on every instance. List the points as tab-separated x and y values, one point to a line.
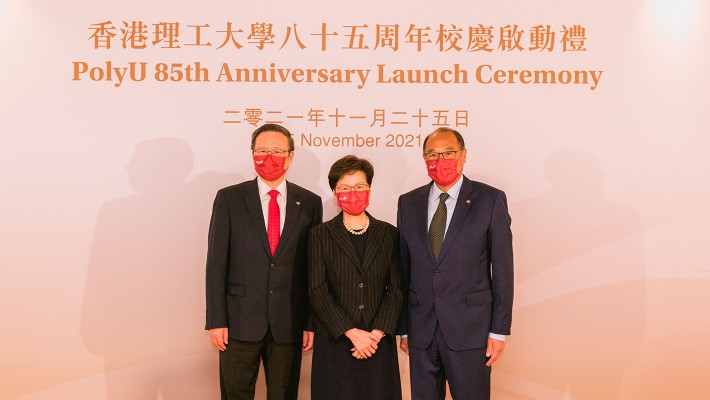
457	259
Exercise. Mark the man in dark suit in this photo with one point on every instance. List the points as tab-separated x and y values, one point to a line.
257	286
457	261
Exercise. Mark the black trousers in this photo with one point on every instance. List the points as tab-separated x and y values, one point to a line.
465	371
239	366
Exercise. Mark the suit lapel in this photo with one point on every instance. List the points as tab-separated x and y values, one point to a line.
293	212
341	238
463	206
253	202
374	241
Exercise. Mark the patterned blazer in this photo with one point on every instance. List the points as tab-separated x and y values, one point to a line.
347	294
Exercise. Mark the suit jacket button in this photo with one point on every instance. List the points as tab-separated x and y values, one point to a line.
436	297
272	265
271	292
361	285
361	306
436	271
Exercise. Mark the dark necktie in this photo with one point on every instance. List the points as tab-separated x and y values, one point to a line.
274	224
437	228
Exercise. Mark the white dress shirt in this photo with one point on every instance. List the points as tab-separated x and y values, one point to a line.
265	198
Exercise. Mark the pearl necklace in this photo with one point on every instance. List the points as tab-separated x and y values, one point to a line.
361	231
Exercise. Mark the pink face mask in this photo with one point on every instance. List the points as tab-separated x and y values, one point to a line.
269	167
353	203
444	172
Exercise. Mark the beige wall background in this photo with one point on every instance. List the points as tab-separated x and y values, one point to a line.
107	192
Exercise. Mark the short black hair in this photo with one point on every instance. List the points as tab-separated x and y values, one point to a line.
346	166
272	128
459	138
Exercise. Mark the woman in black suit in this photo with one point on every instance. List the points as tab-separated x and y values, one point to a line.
355	286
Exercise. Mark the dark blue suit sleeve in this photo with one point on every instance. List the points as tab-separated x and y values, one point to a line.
317	220
500	239
217	264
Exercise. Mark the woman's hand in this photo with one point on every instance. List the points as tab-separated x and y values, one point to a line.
377	335
364	344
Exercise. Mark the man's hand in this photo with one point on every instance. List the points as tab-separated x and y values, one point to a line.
494	350
219	337
404	345
364	345
307	341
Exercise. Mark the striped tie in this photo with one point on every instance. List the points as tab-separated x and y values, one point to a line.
437	228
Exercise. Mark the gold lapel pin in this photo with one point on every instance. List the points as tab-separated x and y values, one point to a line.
298	203
468	201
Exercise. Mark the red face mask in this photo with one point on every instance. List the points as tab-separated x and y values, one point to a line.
444	172
353	203
269	167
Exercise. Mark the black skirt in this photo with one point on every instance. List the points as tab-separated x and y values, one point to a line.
336	374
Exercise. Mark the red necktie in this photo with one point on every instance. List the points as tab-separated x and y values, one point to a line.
274	225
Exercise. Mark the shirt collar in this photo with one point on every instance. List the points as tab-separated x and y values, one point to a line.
264	189
453	192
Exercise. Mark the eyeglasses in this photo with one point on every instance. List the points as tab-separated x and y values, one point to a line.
447	155
360	187
276	152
